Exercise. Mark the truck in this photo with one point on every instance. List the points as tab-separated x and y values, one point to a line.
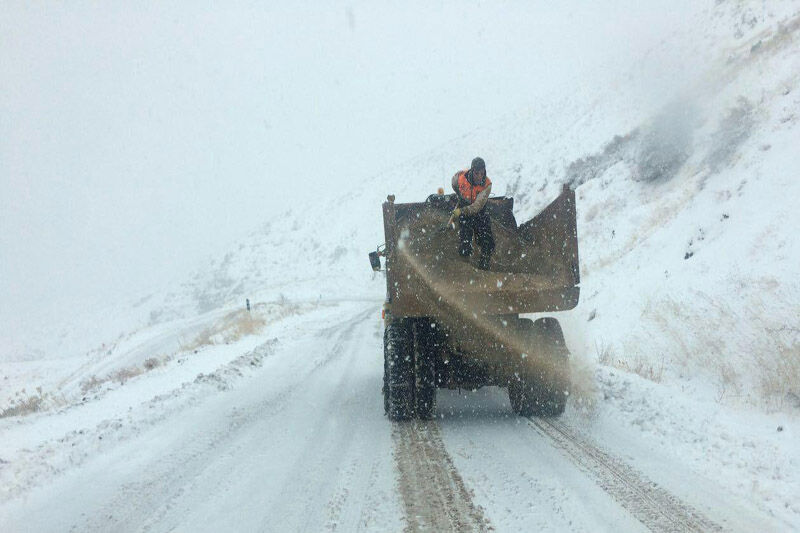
449	324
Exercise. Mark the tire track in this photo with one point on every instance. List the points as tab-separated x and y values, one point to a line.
312	464
433	492
653	506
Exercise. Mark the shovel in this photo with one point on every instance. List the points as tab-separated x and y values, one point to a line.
451	223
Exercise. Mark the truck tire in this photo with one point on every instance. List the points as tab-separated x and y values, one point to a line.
520	397
543	394
399	361
425	350
385	389
555	391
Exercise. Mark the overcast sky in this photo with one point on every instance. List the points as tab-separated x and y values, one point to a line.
136	138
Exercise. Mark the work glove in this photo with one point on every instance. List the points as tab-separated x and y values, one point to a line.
456	212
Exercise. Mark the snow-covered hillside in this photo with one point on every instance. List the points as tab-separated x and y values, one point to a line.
686	340
685	201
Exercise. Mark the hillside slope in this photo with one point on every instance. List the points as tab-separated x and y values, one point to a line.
683	167
686	209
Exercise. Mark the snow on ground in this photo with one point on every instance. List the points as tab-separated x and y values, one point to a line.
686	340
255	441
284	430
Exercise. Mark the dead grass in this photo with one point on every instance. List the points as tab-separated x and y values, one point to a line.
748	353
247	324
643	367
124	374
605	353
231	328
26	405
91	383
728	380
779	378
636	364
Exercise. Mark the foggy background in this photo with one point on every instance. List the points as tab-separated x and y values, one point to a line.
136	139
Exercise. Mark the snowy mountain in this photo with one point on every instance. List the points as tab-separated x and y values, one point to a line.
686	341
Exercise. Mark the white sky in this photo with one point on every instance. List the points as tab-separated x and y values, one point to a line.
136	138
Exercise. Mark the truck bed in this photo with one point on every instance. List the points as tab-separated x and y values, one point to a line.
534	267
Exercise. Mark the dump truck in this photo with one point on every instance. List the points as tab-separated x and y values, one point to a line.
448	324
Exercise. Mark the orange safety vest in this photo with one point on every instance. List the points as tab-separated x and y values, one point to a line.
468	191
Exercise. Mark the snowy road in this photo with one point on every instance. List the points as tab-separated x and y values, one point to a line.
297	446
298	442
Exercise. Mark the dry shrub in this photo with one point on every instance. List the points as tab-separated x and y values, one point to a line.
695	339
605	353
779	379
636	364
643	367
120	376
728	379
230	328
24	406
233	327
246	324
204	338
124	374
750	353
90	384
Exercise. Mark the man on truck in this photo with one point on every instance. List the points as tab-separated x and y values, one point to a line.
472	188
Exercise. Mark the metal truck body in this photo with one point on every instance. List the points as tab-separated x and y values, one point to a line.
450	324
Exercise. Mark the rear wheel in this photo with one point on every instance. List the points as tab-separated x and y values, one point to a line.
555	388
520	397
543	390
425	347
385	389
399	370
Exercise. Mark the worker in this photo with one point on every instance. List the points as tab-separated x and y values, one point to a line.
472	188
